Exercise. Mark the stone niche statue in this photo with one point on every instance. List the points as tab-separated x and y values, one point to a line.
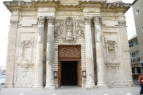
69	28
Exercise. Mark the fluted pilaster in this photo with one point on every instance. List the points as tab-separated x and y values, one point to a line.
50	54
89	55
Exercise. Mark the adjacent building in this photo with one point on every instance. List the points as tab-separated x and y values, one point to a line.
53	43
137	68
138	15
136	43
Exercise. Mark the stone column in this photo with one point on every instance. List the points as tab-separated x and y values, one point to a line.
99	53
89	55
10	66
11	51
39	53
50	55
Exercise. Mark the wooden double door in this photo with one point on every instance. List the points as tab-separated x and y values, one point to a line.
69	65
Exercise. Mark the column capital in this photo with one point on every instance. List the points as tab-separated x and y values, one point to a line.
14	22
41	20
97	19
87	19
50	19
122	23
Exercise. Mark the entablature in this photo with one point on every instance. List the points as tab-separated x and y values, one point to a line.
102	4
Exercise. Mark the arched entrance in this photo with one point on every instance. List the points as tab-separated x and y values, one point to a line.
69	66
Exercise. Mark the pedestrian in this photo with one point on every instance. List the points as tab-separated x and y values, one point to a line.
0	86
140	80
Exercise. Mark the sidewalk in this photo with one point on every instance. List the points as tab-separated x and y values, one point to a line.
70	91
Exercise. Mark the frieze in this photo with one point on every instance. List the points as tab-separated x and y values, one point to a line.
69	51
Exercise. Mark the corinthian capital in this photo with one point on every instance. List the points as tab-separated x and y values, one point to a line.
41	20
122	23
14	22
51	20
87	19
97	19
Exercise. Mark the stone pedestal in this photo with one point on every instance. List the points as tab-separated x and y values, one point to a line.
99	53
39	54
50	55
89	55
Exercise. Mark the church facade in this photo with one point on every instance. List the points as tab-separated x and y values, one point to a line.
53	43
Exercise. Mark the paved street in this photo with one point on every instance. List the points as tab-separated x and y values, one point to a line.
71	91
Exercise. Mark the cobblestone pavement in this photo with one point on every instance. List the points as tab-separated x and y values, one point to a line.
71	91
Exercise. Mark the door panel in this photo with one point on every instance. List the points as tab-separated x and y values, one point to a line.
59	74
79	73
69	53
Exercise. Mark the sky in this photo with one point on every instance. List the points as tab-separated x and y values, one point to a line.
5	22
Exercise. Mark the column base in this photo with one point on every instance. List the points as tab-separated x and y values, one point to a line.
90	86
9	85
38	86
50	87
102	85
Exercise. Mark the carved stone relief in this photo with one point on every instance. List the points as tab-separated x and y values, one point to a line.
26	47
69	30
111	49
25	63
69	51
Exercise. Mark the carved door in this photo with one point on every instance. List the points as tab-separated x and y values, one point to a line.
69	53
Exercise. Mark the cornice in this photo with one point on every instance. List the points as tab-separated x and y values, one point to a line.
118	6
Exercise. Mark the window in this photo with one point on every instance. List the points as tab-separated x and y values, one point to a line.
138	70
137	11
137	53
133	43
138	59
136	42
142	29
133	70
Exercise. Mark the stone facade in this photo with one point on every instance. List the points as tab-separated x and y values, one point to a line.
39	27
